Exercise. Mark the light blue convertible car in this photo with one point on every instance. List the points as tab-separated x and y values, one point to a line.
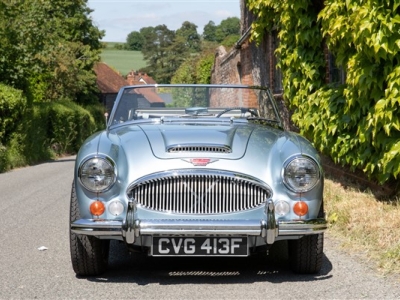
196	170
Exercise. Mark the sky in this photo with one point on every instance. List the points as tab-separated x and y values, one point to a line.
120	17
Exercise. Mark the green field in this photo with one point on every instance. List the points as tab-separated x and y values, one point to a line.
122	60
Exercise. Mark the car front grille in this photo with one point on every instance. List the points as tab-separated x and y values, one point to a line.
199	192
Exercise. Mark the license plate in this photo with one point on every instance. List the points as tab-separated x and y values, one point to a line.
199	246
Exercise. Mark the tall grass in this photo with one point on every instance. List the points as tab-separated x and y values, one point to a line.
367	226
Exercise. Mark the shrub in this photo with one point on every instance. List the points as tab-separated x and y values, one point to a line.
12	108
97	112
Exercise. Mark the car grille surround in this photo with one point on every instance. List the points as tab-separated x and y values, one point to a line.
199	192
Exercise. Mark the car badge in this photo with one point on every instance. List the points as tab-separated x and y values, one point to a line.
200	162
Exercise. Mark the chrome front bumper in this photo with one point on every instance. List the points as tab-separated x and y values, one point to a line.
197	227
130	229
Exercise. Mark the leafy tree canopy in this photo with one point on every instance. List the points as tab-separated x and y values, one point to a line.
135	41
218	33
191	38
164	51
209	32
48	48
195	69
229	26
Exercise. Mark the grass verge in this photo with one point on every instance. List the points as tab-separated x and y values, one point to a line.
366	226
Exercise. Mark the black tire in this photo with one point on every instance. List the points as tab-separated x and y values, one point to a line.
89	255
305	254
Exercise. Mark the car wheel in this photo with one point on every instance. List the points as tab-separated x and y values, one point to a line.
305	254
89	255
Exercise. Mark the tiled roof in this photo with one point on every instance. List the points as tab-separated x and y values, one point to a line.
134	77
108	80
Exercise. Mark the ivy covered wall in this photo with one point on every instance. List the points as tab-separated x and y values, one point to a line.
356	123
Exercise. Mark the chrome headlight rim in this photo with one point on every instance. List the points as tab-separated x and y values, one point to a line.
108	161
292	159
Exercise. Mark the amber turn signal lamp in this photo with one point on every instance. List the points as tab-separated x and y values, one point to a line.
300	208
97	208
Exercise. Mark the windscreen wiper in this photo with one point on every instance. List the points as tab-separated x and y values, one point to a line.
243	110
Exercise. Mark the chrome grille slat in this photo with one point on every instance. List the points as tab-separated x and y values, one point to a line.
209	193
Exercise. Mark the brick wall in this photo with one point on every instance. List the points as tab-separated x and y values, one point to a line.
247	63
225	69
233	67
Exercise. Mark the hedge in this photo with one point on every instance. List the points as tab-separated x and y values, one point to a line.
47	130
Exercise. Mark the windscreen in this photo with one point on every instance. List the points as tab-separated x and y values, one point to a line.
179	101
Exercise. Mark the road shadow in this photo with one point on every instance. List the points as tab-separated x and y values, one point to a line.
141	269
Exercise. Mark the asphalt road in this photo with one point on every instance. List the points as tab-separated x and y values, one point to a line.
34	204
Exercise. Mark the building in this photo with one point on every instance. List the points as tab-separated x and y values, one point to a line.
135	77
109	83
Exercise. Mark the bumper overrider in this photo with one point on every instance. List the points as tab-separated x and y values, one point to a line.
130	229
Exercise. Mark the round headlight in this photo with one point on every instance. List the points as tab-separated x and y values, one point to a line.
97	174
301	174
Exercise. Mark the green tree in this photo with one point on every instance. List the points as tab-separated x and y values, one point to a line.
155	50
175	56
164	52
148	33
229	26
209	32
119	46
135	41
196	68
191	38
49	48
218	33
